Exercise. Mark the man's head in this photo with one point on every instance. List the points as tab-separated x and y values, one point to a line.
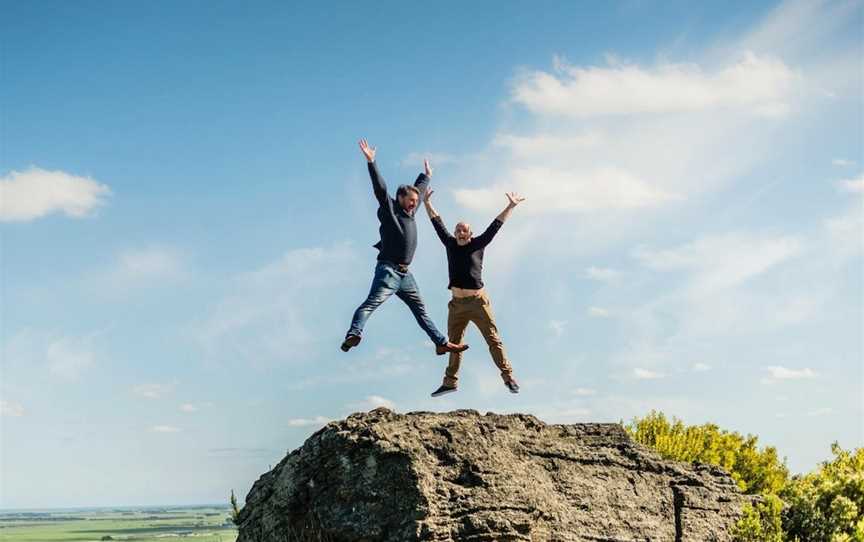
463	233
408	197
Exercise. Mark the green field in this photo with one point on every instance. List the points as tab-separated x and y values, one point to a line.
154	524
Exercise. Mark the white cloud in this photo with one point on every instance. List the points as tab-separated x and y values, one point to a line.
801	28
842	162
153	391
189	407
845	234
578	190
149	263
13	410
645	374
271	314
853	185
65	358
584	392
557	327
599	312
305	422
603	274
777	372
823	411
541	144
69	357
27	195
372	402
759	84
723	260
165	429
700	367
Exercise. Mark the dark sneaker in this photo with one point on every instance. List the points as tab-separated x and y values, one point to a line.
443	390
442	349
512	386
350	342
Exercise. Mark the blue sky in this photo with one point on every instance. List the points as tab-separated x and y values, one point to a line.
187	221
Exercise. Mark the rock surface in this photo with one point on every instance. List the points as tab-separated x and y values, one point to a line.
382	476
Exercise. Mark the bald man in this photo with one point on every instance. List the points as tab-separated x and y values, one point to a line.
470	302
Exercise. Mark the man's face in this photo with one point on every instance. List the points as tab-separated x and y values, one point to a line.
409	201
463	233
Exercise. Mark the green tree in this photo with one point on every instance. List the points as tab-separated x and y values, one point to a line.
757	472
827	504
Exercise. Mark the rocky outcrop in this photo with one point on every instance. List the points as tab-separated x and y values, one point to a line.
382	476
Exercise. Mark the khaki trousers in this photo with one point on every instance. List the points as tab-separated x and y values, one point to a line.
477	309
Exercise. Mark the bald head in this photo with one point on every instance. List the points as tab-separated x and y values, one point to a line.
463	233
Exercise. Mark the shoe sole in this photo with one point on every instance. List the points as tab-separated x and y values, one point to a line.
440	393
451	351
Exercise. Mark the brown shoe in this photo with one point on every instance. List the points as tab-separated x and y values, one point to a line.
350	342
442	349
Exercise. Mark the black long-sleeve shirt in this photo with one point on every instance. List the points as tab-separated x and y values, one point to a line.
398	229
465	262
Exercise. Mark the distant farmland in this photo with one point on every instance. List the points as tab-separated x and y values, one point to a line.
203	524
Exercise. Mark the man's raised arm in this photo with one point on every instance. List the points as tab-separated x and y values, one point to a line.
437	223
379	187
424	178
513	199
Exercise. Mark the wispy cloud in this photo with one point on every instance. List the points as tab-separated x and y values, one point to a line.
599	312
305	422
34	193
776	372
853	185
558	327
272	313
723	260
700	367
372	402
69	357
584	392
165	429
759	84
603	274
154	390
646	374
149	263
11	409
842	162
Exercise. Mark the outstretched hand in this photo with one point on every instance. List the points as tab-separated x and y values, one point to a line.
515	199
368	151
427	168
427	196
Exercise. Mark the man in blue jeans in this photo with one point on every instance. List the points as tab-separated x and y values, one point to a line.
395	252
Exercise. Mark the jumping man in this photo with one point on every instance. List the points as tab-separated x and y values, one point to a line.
395	252
470	302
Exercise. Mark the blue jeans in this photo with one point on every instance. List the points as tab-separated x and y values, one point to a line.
388	281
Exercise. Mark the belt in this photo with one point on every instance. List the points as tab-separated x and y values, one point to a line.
401	267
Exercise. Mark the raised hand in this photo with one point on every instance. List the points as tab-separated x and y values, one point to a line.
515	199
427	168
368	151
427	196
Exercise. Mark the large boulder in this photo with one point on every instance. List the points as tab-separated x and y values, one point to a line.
383	476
